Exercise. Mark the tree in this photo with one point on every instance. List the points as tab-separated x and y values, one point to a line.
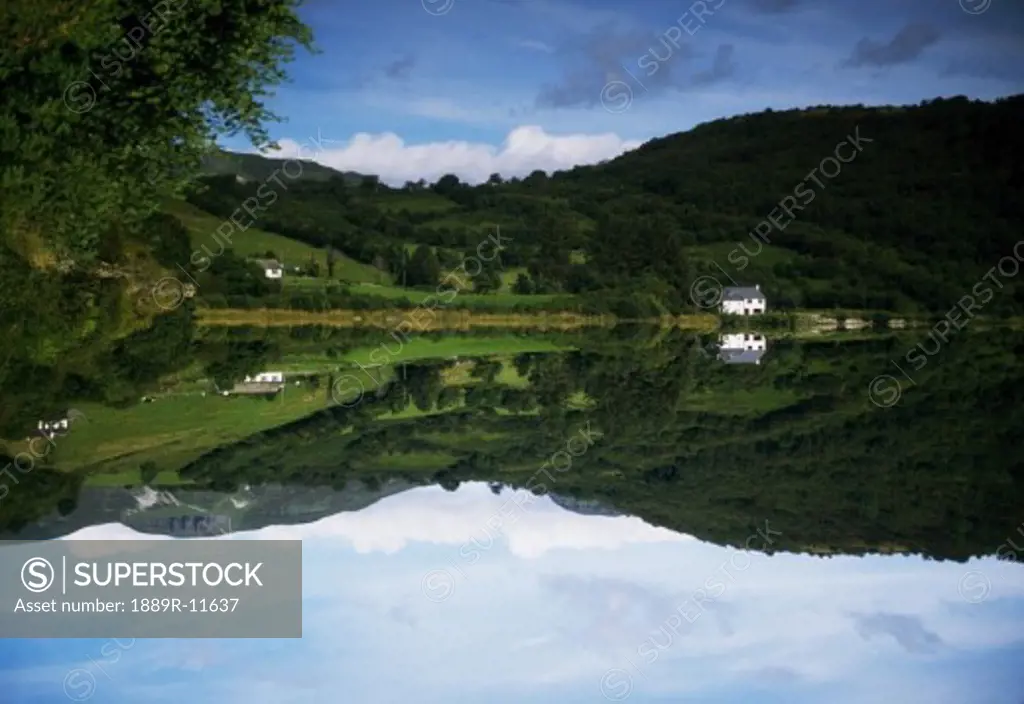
536	179
104	113
369	184
424	384
447	185
486	370
449	397
148	472
523	285
489	278
331	261
313	267
423	268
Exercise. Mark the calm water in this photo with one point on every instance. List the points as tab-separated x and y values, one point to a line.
647	517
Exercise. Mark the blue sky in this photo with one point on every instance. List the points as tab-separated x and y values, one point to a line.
411	89
556	605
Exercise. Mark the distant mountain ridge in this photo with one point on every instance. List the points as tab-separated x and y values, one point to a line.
161	512
259	167
584	507
900	209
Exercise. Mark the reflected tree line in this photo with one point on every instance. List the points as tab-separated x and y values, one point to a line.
685	442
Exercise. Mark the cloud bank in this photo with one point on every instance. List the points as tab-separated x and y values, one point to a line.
432	515
524	150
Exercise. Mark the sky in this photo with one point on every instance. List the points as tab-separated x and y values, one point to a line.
411	89
415	599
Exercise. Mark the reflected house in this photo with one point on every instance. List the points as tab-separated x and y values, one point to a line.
743	300
263	384
742	348
53	428
254	389
584	507
183	525
266	378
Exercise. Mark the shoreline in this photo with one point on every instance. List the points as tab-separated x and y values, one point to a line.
423	321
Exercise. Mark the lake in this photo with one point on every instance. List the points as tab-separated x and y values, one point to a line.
626	514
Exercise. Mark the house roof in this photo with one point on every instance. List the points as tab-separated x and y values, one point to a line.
734	356
741	293
269	263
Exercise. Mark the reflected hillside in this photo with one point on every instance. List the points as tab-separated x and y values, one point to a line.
650	423
187	513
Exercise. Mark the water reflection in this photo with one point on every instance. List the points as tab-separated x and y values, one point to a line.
620	516
471	601
742	348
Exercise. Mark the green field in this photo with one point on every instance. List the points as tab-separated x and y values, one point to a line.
742	402
451	346
500	299
462	374
256	243
180	426
177	428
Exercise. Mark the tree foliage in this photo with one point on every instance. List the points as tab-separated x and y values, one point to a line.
108	105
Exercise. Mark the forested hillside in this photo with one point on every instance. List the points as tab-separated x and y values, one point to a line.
698	447
680	440
107	109
900	209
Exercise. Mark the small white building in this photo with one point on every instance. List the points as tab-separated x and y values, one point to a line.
266	378
53	428
742	348
272	268
743	300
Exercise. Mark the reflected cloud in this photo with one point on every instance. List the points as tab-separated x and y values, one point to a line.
432	515
561	600
907	631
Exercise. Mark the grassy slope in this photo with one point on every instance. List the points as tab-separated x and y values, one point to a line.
426	348
500	299
176	428
180	427
255	243
367	279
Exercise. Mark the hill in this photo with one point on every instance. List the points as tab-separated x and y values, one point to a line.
900	209
257	167
705	449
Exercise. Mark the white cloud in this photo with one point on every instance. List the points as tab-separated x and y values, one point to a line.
474	515
518	629
432	515
526	149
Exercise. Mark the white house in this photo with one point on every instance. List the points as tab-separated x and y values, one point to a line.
742	348
50	428
743	300
272	268
266	378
